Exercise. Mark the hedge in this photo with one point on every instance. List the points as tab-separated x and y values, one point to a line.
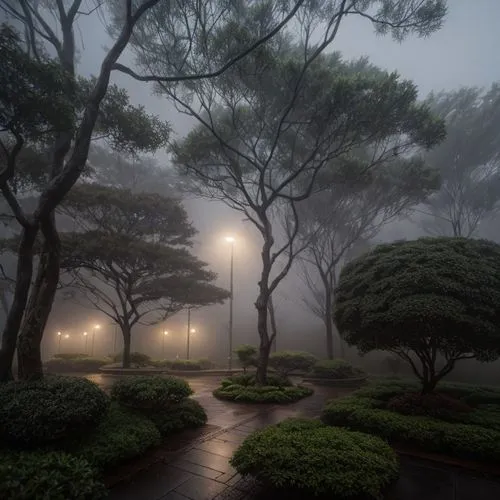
475	436
187	414
80	364
305	459
261	394
336	369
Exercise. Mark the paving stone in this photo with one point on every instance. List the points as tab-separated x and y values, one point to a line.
233	436
417	482
218	447
206	459
151	484
469	487
200	488
199	470
173	495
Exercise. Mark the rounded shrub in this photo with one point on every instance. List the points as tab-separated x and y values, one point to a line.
136	358
286	362
336	369
48	475
262	394
434	405
150	394
187	414
48	410
249	379
307	459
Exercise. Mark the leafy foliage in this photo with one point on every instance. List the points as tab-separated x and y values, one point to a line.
150	394
136	358
336	369
42	475
185	364
471	434
424	298
49	410
286	362
247	355
312	460
261	394
183	415
85	364
249	379
121	435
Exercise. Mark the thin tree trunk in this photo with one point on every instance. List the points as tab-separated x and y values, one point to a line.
24	275
40	304
272	318
126	346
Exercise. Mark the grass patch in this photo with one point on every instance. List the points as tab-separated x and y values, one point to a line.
473	434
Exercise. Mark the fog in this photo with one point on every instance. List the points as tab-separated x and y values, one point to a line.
463	53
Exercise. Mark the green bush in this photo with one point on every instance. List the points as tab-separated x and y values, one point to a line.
123	434
310	459
249	379
262	394
82	364
184	364
247	355
187	414
336	369
472	437
286	362
136	358
70	355
47	476
150	394
52	409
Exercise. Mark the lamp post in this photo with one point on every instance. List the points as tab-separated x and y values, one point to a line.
86	337
165	333
59	334
230	240
189	332
96	327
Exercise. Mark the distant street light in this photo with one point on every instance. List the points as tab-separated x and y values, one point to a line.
189	332
165	333
96	327
231	241
86	337
59	334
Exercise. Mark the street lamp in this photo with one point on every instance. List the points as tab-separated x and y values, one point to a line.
189	332
59	334
165	333
86	337
96	327
231	241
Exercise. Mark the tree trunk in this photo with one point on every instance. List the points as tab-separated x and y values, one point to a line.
126	346
24	275
272	318
328	323
429	384
40	304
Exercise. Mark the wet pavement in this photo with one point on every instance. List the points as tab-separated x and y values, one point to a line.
201	471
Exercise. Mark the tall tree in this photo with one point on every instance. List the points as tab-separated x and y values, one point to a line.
130	257
272	124
340	220
52	25
468	161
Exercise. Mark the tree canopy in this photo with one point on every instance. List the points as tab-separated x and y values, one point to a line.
432	301
468	161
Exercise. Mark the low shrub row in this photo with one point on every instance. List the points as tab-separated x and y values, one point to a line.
84	364
306	459
60	431
336	369
184	364
468	433
243	389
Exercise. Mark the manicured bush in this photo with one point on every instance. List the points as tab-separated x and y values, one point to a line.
187	414
249	379
150	394
262	394
470	436
136	359
48	476
123	434
81	364
184	364
247	356
286	362
309	460
426	296
440	406
52	409
70	355
336	369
